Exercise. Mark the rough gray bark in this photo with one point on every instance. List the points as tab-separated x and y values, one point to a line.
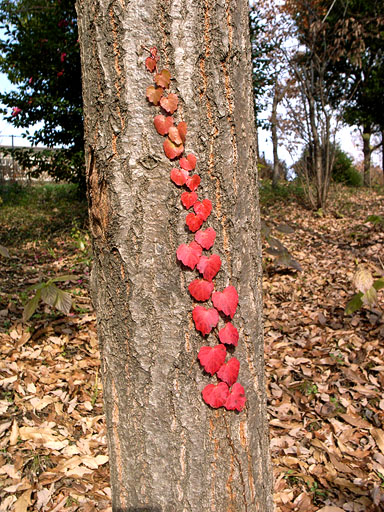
367	152
168	450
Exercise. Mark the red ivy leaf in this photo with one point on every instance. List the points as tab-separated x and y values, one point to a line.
229	334
189	255
163	78
229	371
193	182
205	238
212	358
154	94
174	135
150	64
236	399
153	52
179	177
182	127
209	267
203	208
171	150
194	222
188	163
188	198
200	289
163	123
169	103
205	319
215	396
226	301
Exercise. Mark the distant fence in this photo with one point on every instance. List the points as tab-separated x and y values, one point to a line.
10	169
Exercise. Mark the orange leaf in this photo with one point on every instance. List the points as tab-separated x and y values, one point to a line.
150	64
163	123
163	78
182	127
171	150
169	103
174	135
154	94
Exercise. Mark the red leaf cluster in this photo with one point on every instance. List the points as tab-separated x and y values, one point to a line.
228	393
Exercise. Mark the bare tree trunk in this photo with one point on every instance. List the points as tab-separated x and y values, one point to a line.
169	451
382	153
367	152
276	99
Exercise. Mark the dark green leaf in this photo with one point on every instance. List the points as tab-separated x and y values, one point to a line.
4	251
354	304
31	306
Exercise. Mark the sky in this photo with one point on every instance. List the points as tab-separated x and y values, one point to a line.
7	129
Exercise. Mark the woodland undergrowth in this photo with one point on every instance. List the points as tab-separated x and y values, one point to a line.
325	374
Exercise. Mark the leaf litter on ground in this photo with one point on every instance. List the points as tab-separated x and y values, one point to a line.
324	369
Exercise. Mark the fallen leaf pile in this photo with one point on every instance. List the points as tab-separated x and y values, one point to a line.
324	371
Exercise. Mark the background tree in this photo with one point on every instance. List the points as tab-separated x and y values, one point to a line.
40	56
168	449
360	59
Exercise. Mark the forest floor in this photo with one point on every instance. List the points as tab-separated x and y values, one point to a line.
325	376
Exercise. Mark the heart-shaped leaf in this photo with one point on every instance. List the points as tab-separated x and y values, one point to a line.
215	396
182	127
236	399
150	64
163	124
229	335
174	135
200	289
212	358
226	301
193	182
171	150
154	94
209	267
163	78
203	208
179	176
169	103
189	162
194	221
205	238
188	199
205	319
229	371
189	255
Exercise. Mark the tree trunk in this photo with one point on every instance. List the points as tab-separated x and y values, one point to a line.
275	173
382	153
169	451
367	152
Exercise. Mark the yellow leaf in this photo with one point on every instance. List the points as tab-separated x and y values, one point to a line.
22	503
14	434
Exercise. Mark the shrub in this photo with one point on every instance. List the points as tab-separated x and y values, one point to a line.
344	171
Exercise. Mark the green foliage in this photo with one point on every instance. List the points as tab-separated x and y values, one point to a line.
367	294
40	56
51	295
289	191
36	212
261	49
377	220
343	170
